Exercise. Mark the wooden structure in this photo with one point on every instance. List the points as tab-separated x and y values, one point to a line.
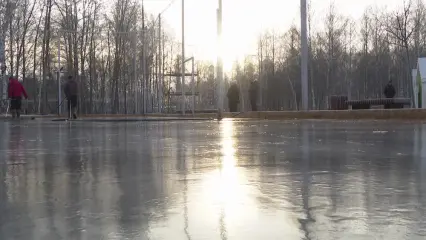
387	103
338	103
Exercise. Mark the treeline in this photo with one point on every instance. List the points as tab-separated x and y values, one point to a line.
113	53
355	59
121	53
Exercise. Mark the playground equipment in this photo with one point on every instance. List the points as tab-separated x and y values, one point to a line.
183	94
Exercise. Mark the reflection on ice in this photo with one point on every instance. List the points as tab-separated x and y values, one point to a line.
209	180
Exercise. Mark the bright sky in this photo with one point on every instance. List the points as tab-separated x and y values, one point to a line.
243	20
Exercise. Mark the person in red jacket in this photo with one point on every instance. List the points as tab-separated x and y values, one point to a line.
15	91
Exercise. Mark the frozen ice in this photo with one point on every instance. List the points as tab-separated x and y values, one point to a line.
212	180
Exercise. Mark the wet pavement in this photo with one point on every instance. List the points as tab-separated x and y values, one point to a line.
208	180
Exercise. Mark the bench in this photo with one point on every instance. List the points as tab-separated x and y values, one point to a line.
387	103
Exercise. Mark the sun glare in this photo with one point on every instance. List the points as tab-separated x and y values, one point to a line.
232	51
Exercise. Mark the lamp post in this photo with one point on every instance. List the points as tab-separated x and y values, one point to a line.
304	54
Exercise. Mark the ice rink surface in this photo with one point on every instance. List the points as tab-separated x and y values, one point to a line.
236	180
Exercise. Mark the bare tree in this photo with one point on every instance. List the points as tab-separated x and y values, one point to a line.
401	26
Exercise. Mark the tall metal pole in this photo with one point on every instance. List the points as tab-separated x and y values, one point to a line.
183	58
59	78
137	89
144	81
160	63
163	70
143	61
260	78
193	86
3	80
135	76
304	70
219	67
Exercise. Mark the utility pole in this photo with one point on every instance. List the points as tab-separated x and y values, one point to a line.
160	63
4	22
143	61
135	76
59	77
183	58
193	86
219	67
304	54
163	59
260	77
3	93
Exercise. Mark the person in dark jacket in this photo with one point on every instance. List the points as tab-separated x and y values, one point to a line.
15	92
389	91
233	97
71	93
253	92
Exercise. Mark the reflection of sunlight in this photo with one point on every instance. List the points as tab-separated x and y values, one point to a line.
225	184
228	183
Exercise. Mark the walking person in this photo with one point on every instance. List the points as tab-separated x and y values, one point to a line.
71	93
15	92
253	92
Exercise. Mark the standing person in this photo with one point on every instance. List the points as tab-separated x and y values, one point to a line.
233	97
15	92
71	93
389	91
253	92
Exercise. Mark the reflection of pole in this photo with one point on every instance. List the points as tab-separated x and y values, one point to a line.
304	54
306	184
182	85
219	70
59	78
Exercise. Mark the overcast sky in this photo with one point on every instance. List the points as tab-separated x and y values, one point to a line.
243	20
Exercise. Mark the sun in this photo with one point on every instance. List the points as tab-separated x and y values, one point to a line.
228	59
232	50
